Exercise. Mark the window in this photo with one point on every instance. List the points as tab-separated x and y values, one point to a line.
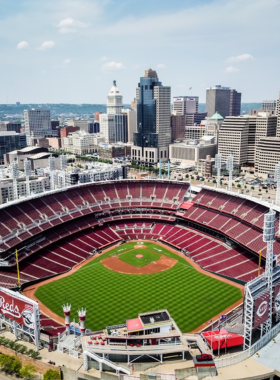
161	154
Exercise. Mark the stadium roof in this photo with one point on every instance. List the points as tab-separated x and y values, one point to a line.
134	325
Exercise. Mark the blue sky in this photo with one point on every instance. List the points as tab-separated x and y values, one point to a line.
70	51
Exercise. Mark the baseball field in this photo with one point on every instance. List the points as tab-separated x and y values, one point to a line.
139	277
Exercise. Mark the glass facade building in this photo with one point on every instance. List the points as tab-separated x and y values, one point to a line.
10	141
146	135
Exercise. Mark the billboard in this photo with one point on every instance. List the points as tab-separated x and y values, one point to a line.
17	307
261	309
276	308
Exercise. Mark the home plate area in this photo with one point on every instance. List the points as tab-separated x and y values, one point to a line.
133	262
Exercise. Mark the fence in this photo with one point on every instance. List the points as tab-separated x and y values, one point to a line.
225	362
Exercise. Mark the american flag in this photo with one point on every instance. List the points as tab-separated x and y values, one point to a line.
190	88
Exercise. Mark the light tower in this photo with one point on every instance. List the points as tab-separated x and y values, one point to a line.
15	175
218	166
66	311
82	317
63	167
230	170
52	170
269	237
277	179
27	172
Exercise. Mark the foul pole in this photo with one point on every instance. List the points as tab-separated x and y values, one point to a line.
18	269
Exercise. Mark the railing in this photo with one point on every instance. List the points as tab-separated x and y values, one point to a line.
225	362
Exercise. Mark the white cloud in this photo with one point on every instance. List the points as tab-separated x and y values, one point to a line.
22	45
47	45
103	59
113	66
43	72
231	69
161	66
241	58
67	61
69	25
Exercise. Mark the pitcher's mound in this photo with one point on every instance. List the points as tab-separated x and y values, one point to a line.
139	246
117	265
139	256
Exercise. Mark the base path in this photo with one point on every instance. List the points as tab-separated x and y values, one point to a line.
117	265
30	290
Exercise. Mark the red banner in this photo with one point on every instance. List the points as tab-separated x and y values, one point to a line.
276	308
17	309
261	309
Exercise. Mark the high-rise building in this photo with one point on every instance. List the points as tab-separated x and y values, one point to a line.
233	139
195	118
81	123
131	123
113	124
37	125
11	141
185	104
96	116
8	126
224	100
178	123
153	136
269	105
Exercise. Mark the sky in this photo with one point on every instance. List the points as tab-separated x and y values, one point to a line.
70	51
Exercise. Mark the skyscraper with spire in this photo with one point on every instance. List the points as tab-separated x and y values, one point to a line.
113	124
153	136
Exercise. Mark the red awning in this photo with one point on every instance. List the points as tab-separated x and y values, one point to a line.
186	205
223	339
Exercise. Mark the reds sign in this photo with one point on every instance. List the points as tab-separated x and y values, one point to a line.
276	308
261	309
17	309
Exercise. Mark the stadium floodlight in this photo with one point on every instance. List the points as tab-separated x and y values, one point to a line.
269	237
15	175
218	166
82	316
27	172
230	160
277	179
66	311
51	160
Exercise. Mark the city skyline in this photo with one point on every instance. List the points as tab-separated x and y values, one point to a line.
70	51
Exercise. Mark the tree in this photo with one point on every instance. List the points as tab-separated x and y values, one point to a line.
28	371
239	185
266	191
252	188
214	181
187	176
51	374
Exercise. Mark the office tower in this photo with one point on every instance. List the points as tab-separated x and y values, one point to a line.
96	116
195	118
278	116
37	125
131	123
269	105
212	126
178	123
233	139
153	136
265	126
81	123
8	126
10	141
94	127
267	155
55	124
113	124
185	104
224	100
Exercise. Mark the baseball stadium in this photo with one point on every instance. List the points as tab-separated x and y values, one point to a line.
131	253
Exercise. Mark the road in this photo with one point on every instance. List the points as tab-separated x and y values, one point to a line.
4	377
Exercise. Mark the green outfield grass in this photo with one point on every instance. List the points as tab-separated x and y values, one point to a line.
130	257
191	298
